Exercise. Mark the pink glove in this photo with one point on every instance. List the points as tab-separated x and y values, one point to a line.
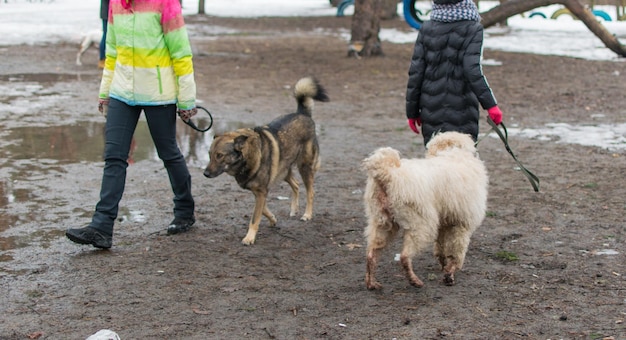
103	106
187	114
495	114
414	123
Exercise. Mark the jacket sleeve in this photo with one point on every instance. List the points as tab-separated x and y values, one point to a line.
416	76
177	42
110	60
473	70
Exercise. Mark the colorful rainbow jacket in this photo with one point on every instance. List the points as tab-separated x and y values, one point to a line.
148	55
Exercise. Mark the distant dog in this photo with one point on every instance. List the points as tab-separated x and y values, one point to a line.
441	198
92	38
261	156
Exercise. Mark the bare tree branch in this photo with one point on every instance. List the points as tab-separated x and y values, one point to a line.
514	7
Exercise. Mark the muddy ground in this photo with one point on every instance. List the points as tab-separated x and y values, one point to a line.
541	266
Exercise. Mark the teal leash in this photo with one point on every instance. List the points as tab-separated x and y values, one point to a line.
504	136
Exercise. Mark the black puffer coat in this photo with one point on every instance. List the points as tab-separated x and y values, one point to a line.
446	82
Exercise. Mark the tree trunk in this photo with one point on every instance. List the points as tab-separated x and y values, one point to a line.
503	22
201	7
388	9
364	40
513	7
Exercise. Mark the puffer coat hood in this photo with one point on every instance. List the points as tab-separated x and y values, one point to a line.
446	83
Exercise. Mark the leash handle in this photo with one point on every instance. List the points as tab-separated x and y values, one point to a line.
532	178
193	125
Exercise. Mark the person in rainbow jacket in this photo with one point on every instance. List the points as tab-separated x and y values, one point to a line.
148	68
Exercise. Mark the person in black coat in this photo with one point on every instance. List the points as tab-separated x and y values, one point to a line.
446	83
104	15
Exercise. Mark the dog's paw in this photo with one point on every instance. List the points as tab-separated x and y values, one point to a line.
272	220
448	279
416	282
306	217
373	285
294	210
419	284
249	239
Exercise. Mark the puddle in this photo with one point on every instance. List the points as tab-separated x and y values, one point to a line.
40	100
32	156
208	30
611	137
84	142
607	252
34	181
48	78
127	215
42	238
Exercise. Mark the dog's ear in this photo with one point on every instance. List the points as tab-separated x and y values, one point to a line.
380	161
239	142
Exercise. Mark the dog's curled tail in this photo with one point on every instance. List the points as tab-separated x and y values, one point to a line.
381	161
306	91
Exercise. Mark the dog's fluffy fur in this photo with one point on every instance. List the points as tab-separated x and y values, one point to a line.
441	198
260	157
92	38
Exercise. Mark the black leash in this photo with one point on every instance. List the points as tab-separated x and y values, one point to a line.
534	180
193	125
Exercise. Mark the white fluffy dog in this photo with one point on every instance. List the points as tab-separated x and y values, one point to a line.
92	38
441	198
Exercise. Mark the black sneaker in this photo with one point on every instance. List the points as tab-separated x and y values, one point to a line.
180	225
89	235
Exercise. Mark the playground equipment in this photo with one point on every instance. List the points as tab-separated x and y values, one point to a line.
564	11
620	9
415	16
412	15
343	5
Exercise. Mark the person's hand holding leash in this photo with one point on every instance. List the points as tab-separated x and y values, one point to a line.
103	106
495	114
414	123
185	115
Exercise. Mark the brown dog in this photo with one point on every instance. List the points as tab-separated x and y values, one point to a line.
261	156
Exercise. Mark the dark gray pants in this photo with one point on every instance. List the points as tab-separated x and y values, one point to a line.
120	127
